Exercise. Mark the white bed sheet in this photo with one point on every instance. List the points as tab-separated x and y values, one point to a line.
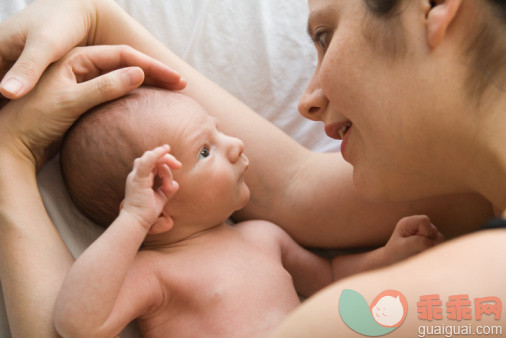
256	49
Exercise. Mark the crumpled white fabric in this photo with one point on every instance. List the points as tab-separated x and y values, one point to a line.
256	49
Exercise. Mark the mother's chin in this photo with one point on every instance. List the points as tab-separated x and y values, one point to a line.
381	186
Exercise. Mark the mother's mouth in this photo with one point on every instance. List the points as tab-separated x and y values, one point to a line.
337	130
344	129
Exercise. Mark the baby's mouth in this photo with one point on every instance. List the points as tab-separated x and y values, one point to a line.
246	165
246	161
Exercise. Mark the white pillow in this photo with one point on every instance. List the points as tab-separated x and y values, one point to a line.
257	50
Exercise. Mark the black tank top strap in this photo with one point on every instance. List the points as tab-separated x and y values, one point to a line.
495	223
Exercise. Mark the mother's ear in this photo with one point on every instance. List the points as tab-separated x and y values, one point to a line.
439	17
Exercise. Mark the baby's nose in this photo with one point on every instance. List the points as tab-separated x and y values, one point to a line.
235	149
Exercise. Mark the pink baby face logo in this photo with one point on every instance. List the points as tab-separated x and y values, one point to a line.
389	308
384	314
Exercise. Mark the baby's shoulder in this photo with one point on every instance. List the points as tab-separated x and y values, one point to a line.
260	230
152	259
145	262
257	226
158	267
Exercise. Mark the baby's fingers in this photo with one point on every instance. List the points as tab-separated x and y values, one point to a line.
163	171
416	244
413	225
170	161
429	231
145	165
168	187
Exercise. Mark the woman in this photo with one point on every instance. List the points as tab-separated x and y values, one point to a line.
417	92
320	179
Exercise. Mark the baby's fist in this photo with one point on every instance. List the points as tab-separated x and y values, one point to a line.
412	235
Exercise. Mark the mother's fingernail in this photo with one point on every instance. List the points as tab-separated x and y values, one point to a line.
12	86
135	75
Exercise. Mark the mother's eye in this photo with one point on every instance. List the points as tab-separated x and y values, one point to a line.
205	152
322	38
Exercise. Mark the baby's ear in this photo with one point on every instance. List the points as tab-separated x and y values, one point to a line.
162	224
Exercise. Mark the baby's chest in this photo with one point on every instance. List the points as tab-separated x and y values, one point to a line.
207	292
228	277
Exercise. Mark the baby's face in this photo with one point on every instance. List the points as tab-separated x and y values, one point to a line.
211	181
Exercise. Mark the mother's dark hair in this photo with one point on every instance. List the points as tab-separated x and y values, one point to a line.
388	7
486	48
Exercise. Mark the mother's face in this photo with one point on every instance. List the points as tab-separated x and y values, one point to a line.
374	89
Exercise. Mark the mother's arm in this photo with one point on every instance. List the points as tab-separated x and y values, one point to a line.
471	265
33	258
310	195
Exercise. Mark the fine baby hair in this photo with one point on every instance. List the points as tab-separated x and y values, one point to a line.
98	151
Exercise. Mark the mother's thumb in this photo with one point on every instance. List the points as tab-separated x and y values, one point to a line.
108	87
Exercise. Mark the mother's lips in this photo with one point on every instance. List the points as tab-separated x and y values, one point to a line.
333	129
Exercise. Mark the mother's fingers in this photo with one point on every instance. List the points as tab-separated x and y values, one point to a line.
86	61
28	68
106	87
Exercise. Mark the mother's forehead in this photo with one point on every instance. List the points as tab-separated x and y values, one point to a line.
319	9
317	5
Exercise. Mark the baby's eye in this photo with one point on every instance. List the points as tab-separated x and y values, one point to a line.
205	152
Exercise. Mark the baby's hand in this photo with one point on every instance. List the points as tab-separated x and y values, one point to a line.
141	200
411	235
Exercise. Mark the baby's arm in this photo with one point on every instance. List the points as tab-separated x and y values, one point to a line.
411	235
101	293
311	272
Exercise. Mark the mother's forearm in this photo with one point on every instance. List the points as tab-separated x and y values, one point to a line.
33	258
310	195
321	207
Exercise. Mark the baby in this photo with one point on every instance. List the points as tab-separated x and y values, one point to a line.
194	275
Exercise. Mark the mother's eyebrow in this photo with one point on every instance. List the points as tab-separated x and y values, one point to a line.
315	15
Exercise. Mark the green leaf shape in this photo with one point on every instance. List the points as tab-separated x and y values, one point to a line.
355	312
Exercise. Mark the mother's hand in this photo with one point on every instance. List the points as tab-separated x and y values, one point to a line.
40	34
85	77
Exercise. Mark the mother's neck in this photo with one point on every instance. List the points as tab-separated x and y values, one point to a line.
488	174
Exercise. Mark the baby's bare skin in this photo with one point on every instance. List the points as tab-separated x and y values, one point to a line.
228	281
197	276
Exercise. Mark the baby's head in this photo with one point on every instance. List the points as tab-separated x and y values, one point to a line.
98	153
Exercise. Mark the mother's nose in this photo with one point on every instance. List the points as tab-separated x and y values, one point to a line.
313	102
